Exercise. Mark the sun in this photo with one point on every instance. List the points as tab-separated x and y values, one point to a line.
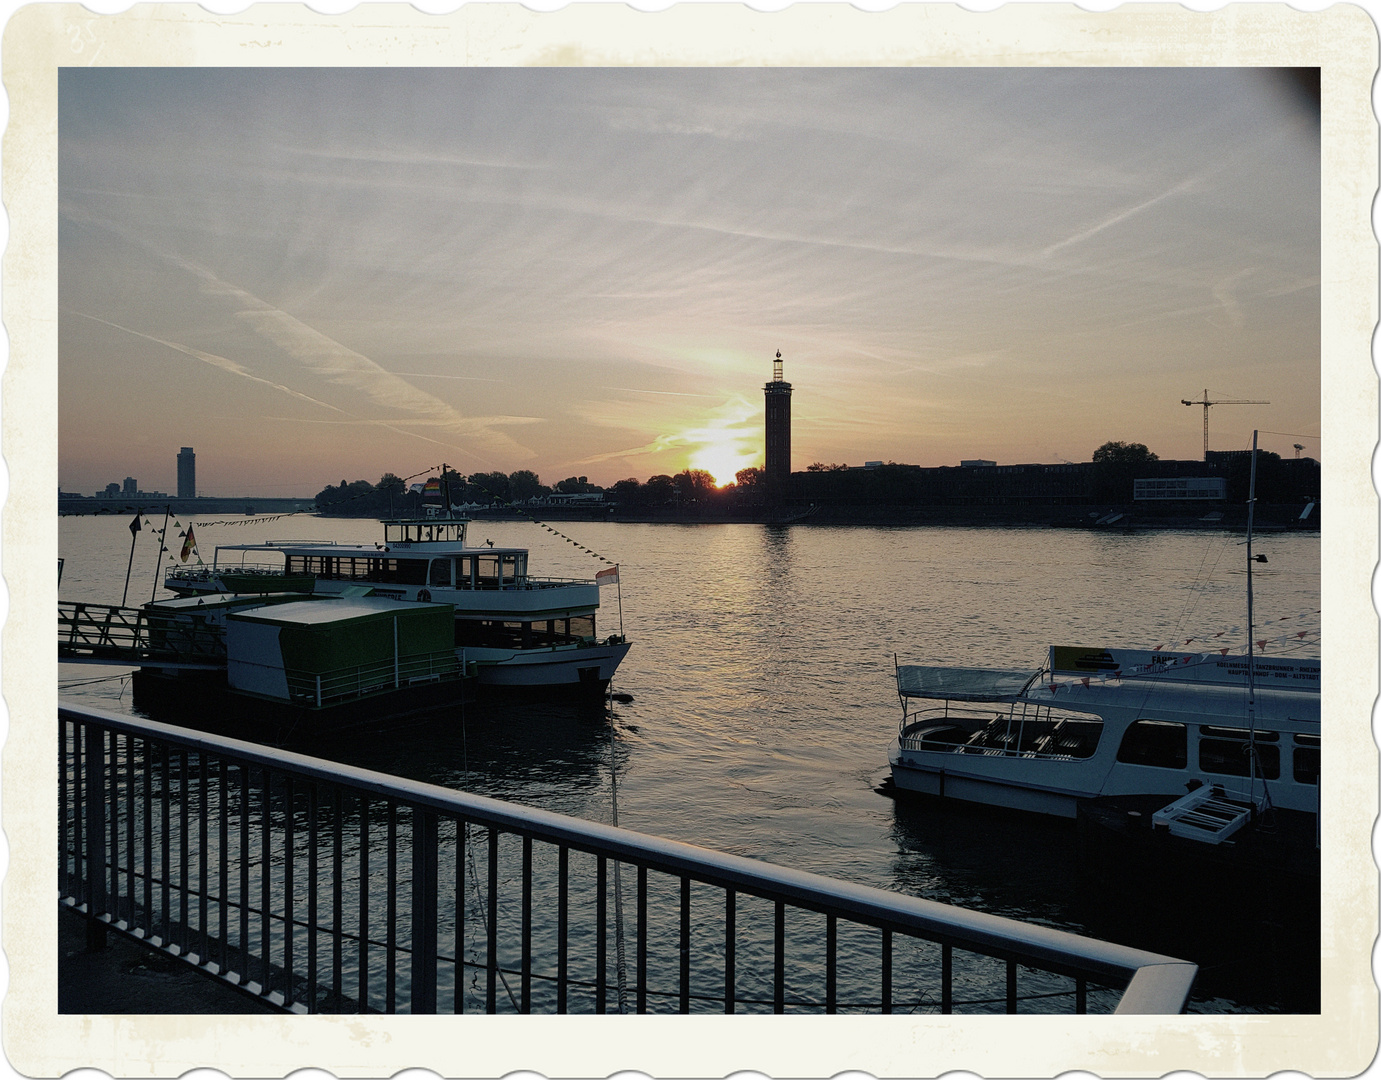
722	461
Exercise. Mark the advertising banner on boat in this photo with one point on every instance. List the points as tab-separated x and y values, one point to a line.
1269	672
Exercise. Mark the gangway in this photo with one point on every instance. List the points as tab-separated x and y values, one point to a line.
1208	813
110	634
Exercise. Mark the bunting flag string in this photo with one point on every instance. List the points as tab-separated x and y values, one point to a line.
555	532
1296	636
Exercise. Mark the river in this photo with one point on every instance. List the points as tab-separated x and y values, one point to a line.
763	697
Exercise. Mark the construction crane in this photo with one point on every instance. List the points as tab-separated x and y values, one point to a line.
1222	401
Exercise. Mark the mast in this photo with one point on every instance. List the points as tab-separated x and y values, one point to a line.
1251	653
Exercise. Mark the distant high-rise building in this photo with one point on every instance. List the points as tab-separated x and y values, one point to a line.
186	474
778	442
131	486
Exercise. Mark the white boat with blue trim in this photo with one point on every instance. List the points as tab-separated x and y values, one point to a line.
1094	723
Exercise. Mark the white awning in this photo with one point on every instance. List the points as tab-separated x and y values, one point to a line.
960	684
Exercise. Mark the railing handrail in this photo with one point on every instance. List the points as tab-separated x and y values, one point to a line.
1161	983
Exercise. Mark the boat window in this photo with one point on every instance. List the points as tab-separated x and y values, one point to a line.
441	573
487	571
1155	742
1239	733
465	572
1306	765
1306	740
509	569
491	634
1230	757
582	626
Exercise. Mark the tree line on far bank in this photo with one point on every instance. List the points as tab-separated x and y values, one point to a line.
1107	478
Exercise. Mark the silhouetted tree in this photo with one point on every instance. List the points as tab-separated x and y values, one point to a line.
1116	464
627	492
659	490
694	485
525	484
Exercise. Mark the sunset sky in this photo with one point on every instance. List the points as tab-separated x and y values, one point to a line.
312	275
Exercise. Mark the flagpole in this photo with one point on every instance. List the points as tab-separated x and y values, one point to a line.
620	588
162	543
133	536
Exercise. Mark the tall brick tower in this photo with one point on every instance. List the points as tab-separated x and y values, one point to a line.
778	443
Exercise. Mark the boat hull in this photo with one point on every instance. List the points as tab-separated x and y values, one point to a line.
912	774
203	700
584	670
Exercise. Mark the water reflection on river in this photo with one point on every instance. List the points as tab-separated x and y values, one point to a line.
763	698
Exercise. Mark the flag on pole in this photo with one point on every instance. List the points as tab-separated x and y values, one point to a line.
608	577
189	545
134	526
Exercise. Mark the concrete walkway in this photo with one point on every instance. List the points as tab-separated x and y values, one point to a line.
125	977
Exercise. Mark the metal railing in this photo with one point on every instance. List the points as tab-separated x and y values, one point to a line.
320	887
131	635
341	684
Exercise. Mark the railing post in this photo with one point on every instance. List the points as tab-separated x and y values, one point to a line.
779	959
831	961
642	939
730	932
685	945
886	971
562	915
424	910
946	979
526	1004
491	974
601	931
95	836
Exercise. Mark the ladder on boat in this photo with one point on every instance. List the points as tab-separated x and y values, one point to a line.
1208	814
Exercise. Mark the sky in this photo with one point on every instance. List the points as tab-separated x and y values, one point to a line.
316	275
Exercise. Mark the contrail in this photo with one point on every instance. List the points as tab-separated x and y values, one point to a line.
215	361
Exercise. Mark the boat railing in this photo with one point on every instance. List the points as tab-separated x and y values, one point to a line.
206	573
1024	729
325	688
321	887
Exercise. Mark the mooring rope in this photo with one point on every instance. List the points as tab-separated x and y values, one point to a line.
474	871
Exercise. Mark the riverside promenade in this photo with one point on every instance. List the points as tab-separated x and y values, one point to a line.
125	977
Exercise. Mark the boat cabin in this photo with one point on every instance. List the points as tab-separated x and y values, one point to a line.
404	532
478	568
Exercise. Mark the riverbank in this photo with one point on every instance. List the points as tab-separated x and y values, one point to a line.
1269	518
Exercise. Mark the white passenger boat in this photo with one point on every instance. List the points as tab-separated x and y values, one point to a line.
517	630
1222	738
1094	723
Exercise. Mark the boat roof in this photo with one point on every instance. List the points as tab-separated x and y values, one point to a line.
372	551
215	601
961	683
1225	702
327	611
